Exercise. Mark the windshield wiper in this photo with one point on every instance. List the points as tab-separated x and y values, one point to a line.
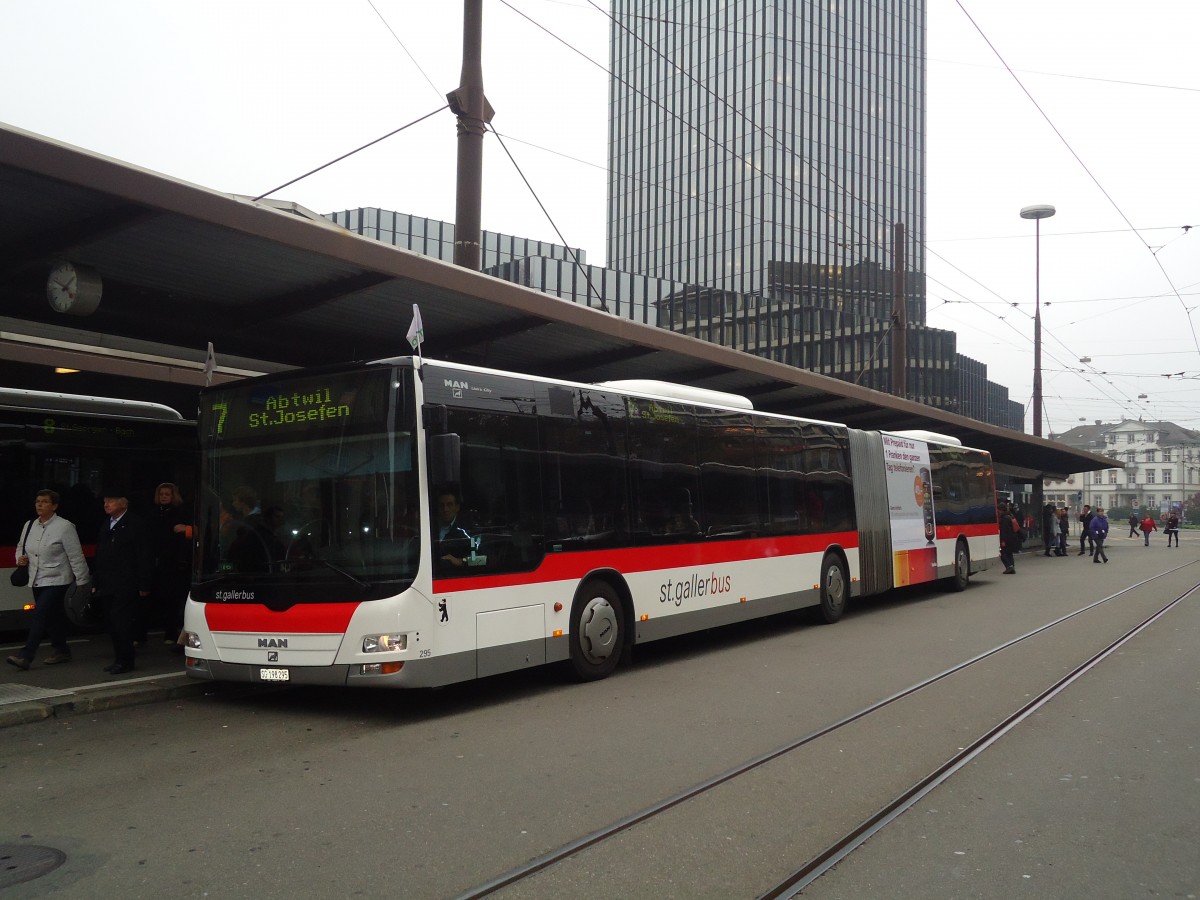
365	585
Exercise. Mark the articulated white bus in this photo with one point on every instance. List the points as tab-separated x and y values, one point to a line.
411	523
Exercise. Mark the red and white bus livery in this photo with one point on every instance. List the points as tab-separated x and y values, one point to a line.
411	523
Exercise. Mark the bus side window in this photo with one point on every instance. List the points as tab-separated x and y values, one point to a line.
729	476
583	471
663	471
501	503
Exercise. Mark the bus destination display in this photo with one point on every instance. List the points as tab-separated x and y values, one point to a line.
336	401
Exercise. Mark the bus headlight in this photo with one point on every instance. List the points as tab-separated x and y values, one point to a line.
384	643
192	640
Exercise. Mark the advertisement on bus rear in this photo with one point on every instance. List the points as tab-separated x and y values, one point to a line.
910	507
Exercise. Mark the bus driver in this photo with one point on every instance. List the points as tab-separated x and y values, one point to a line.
454	544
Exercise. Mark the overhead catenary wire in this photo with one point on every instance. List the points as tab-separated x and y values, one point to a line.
408	52
927	249
509	153
351	153
1087	171
771	137
550	219
1025	337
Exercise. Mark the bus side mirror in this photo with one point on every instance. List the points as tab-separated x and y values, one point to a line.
445	458
435	418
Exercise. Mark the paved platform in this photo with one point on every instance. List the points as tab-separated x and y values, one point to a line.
82	685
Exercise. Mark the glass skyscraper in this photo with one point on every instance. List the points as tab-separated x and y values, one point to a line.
767	146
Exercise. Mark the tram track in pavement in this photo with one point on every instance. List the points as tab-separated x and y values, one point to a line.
804	874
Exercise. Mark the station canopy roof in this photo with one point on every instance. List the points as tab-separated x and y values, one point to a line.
273	288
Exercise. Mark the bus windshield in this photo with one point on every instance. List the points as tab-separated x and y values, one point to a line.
308	488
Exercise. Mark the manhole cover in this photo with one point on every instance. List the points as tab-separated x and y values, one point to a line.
25	862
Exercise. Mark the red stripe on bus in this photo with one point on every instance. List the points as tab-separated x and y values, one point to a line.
574	565
952	531
303	618
10	551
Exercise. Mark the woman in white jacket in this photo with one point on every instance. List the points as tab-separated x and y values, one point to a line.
55	559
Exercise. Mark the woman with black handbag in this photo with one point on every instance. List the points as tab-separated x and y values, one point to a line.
50	559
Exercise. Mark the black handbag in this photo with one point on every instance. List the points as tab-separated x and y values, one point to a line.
20	575
84	609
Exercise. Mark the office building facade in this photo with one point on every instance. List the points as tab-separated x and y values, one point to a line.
767	146
770	156
433	237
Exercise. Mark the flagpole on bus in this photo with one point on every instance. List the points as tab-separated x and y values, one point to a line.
416	332
210	365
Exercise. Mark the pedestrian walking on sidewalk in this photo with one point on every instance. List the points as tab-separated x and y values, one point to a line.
1148	525
1010	538
1085	534
1099	530
123	576
1064	525
49	546
1133	525
1172	529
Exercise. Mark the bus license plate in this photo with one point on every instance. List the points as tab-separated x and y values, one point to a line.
273	674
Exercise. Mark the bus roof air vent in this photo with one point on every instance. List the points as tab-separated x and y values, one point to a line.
929	436
670	391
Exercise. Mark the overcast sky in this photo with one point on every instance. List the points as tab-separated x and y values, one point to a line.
1099	116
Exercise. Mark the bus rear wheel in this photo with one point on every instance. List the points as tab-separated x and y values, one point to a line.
835	588
597	631
962	567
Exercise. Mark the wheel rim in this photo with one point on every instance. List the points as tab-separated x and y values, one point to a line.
598	630
960	562
835	588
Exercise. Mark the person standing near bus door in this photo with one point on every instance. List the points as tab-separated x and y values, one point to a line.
50	547
124	572
1085	534
172	562
1099	530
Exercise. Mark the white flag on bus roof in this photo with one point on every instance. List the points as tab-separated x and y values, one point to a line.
416	331
210	365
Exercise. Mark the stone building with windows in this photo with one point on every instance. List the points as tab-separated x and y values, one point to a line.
1161	467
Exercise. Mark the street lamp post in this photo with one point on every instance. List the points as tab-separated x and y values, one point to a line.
1037	213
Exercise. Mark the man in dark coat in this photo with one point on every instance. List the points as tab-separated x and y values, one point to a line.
122	574
1010	538
1085	535
1049	528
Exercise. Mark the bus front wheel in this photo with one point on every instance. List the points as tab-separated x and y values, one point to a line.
835	588
597	631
